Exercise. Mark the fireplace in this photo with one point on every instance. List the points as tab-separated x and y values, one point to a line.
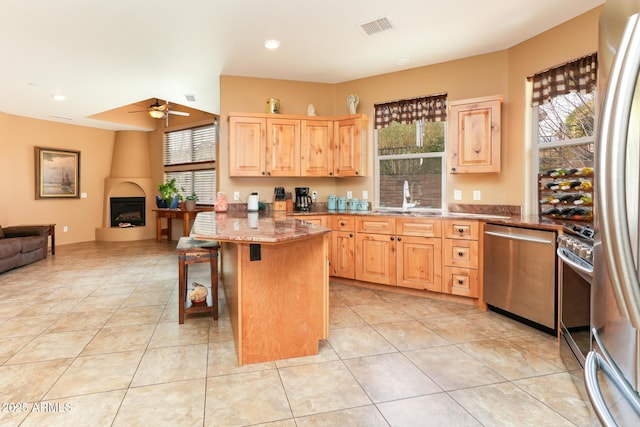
127	211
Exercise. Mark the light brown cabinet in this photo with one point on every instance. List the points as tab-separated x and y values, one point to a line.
316	148
248	146
419	259
290	146
461	257
474	135
385	256
283	147
343	243
350	140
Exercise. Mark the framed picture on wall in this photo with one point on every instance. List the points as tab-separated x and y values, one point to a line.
57	173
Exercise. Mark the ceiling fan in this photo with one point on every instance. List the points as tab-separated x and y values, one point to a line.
161	111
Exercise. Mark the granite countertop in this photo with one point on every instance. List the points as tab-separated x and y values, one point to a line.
252	228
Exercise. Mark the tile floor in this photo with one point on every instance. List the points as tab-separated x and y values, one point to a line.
90	337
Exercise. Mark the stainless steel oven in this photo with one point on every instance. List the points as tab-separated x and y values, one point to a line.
575	253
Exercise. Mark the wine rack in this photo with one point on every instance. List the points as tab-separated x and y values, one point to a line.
566	194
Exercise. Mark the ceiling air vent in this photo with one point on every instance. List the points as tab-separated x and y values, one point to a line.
376	26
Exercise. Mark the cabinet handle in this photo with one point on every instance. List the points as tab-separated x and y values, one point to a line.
268	173
330	173
399	239
342	224
391	238
263	173
350	234
460	281
460	253
460	230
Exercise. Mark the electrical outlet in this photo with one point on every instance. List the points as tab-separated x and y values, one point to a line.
365	195
83	195
65	229
457	194
476	194
236	196
314	194
349	195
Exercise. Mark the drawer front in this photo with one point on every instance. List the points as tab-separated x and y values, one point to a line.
454	229
461	281
376	225
461	253
343	223
317	220
419	227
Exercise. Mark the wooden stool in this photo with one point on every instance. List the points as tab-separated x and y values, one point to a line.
192	251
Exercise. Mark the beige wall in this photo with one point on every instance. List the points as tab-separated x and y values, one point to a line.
499	73
18	138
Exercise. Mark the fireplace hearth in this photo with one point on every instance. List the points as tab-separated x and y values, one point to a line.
127	211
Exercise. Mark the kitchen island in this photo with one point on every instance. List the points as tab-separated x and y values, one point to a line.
275	275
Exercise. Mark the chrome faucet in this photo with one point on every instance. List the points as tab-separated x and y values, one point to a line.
406	197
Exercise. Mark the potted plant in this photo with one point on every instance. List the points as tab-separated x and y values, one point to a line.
190	202
169	195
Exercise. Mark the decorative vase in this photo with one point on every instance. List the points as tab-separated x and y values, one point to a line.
161	204
190	205
221	202
352	103
174	202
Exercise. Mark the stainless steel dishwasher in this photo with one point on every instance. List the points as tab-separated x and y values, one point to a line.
520	273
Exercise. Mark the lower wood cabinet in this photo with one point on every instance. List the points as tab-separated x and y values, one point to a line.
418	253
461	258
343	245
399	260
376	258
418	263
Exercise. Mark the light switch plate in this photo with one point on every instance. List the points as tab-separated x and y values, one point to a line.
457	194
476	194
349	195
365	195
236	195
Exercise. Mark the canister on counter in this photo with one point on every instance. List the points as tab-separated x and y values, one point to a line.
331	202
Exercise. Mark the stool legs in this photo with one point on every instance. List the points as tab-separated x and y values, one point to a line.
185	258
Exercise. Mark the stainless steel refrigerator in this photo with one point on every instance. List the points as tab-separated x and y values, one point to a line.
612	367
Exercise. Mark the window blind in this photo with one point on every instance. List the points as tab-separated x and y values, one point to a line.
190	158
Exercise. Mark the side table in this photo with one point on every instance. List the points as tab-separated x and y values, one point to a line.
192	251
171	214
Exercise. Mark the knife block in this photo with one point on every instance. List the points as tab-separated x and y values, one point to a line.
279	205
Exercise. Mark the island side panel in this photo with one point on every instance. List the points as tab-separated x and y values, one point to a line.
231	279
283	300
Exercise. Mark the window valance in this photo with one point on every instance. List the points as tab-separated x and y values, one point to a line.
578	76
430	108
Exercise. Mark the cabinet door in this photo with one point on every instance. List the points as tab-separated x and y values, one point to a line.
247	146
283	147
316	146
350	137
419	263
474	130
342	254
376	258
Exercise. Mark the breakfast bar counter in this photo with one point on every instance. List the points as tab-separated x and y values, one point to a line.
275	274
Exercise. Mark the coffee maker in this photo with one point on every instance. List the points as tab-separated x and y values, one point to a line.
303	200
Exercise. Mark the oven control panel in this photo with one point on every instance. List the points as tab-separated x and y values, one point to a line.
575	247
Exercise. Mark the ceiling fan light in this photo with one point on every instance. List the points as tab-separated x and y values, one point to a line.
156	114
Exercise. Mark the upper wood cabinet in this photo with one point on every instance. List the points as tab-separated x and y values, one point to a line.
350	140
288	146
283	147
248	146
316	148
474	135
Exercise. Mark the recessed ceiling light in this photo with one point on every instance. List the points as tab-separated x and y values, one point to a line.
59	97
190	98
272	44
